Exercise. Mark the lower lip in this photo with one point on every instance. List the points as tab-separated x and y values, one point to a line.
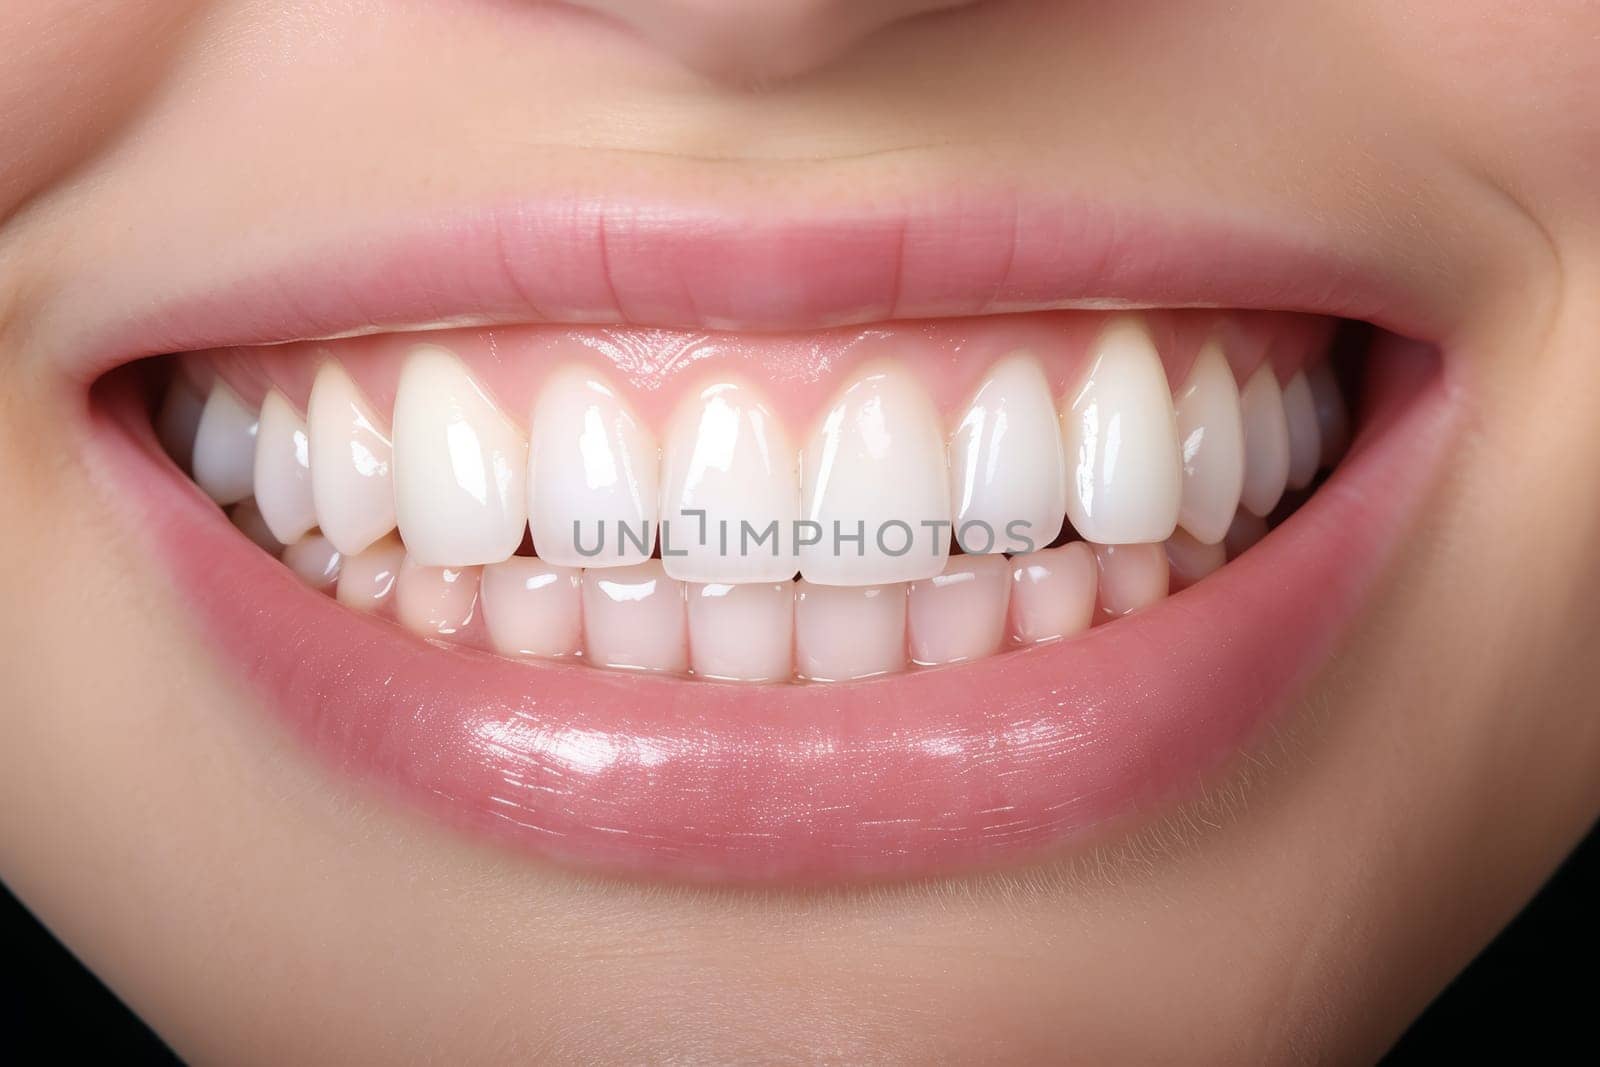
922	774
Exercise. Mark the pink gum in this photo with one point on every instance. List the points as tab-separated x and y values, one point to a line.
798	372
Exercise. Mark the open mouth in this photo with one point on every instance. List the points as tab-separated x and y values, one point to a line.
859	601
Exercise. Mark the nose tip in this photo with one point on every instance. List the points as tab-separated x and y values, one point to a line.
761	40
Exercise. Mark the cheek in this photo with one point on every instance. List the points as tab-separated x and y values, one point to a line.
73	70
1516	93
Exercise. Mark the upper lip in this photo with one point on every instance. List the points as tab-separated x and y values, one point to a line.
750	267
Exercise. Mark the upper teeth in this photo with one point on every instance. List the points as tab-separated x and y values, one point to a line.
872	496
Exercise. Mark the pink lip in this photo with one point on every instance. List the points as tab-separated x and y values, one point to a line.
759	267
921	774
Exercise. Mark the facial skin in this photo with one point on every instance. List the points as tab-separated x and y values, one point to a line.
253	907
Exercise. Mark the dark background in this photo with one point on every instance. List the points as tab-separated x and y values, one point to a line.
1536	988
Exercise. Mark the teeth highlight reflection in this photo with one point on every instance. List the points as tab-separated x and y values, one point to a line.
436	601
283	470
959	615
592	475
729	478
875	487
1211	435
533	608
352	460
459	466
634	618
367	579
1121	435
1053	593
225	446
314	561
1008	479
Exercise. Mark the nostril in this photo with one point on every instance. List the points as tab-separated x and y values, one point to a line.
741	42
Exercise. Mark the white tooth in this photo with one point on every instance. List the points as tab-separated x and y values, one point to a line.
1124	466
959	615
1247	529
1053	592
1007	465
1211	431
875	486
1305	440
1132	577
352	461
633	618
592	475
532	608
178	420
742	633
460	466
225	446
436	601
1191	560
1266	442
315	561
283	470
367	579
1333	418
728	458
247	518
844	632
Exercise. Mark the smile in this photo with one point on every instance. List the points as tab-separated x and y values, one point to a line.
779	598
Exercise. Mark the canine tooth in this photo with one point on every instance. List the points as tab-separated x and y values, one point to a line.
592	475
283	470
1124	466
1333	418
460	466
728	459
315	561
367	579
1132	577
1191	559
1247	529
1266	442
1305	439
179	419
633	618
1006	463
845	632
225	446
436	601
875	486
352	462
1053	592
532	608
959	615
1211	435
742	633
247	518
